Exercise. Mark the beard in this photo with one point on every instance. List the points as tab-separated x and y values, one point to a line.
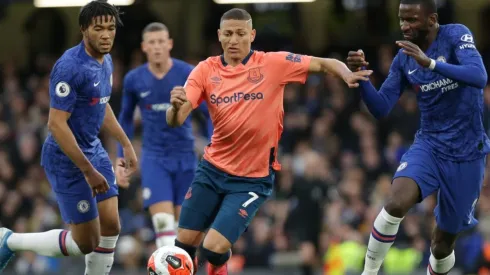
99	50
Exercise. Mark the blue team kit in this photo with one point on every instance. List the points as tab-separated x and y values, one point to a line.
448	154
81	86
168	161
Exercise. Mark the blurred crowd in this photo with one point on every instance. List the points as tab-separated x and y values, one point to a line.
337	164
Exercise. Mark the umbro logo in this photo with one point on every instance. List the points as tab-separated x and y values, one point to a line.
215	79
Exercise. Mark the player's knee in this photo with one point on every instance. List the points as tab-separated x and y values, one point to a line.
404	194
216	242
112	228
441	249
189	237
163	222
87	245
396	208
214	258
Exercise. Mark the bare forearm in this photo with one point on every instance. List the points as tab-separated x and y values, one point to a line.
68	144
176	118
329	65
335	67
172	117
112	126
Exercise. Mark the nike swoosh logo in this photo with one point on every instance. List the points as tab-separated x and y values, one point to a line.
96	84
411	72
145	94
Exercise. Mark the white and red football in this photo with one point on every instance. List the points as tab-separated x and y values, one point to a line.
170	260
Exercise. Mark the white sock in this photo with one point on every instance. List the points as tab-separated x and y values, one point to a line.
382	237
439	267
100	261
54	243
164	225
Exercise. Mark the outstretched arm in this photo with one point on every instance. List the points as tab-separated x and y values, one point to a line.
295	68
339	69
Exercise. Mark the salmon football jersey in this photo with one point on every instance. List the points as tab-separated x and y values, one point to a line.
246	107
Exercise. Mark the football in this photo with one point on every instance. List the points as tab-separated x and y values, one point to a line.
170	260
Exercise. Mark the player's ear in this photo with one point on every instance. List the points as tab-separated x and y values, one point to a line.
219	35
433	18
170	44
252	35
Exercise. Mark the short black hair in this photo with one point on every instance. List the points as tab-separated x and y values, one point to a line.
97	8
236	14
429	6
155	27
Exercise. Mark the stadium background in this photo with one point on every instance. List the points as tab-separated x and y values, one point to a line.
337	160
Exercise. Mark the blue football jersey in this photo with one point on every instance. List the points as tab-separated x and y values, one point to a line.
82	86
451	112
152	96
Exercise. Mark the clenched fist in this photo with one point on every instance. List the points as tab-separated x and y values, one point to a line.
178	97
356	60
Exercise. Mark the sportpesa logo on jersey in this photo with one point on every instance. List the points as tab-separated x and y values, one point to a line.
236	97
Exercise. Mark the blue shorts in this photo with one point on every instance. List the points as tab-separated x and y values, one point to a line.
222	201
458	185
74	195
166	178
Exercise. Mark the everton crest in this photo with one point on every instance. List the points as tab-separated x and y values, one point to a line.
255	76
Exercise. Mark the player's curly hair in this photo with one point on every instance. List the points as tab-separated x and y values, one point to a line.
430	6
97	8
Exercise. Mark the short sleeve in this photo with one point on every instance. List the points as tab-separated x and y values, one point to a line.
194	86
293	67
463	42
62	86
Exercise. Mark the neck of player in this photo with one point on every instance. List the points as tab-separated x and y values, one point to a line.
233	61
431	37
160	69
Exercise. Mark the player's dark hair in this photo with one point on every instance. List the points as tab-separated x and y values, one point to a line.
429	6
236	14
95	9
155	27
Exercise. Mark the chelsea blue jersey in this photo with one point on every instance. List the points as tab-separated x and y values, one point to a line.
152	95
81	86
451	111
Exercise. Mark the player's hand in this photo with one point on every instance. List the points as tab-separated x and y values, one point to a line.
178	97
353	78
96	181
356	60
130	161
415	52
121	178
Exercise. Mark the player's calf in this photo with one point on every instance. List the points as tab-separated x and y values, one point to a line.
216	249
82	239
101	259
442	257
404	194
